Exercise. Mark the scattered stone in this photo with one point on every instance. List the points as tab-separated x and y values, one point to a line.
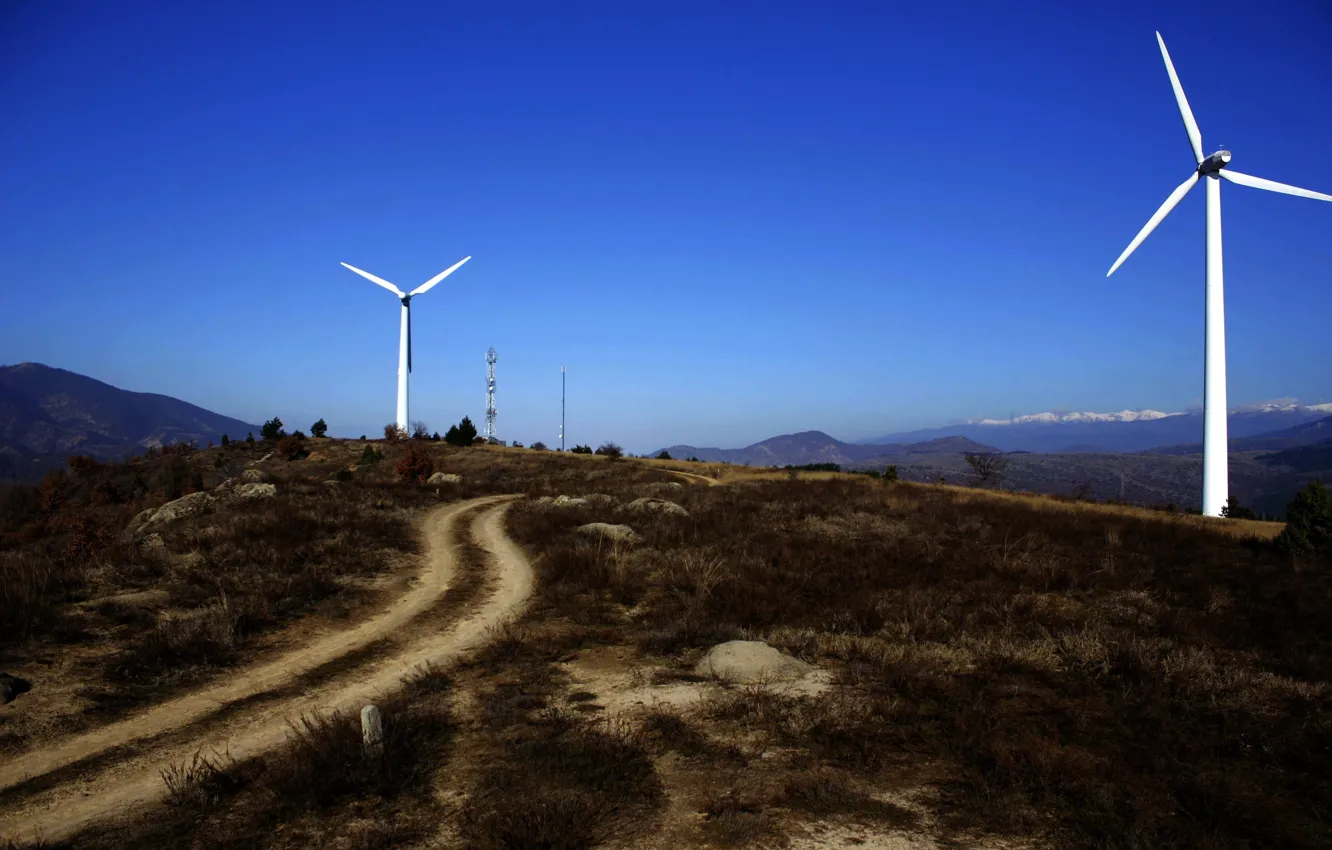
622	533
444	478
544	500
253	476
11	687
225	486
569	502
650	503
265	457
255	491
750	662
331	483
600	499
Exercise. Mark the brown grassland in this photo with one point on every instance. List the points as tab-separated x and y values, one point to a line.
999	670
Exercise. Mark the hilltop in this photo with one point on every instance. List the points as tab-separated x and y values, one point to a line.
809	447
957	666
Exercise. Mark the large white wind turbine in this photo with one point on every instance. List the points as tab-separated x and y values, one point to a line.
1216	485
405	336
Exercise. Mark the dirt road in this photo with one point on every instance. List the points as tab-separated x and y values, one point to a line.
133	781
694	477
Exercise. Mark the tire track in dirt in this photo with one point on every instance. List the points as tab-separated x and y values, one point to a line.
135	782
694	477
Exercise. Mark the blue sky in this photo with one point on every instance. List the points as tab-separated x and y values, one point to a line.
729	220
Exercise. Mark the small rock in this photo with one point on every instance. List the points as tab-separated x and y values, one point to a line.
444	478
649	503
253	476
265	457
255	491
544	500
225	486
608	530
750	662
11	687
330	483
569	502
600	499
148	599
152	543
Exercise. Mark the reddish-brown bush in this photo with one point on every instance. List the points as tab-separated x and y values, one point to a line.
415	465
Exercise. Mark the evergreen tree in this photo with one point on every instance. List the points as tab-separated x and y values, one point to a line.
319	429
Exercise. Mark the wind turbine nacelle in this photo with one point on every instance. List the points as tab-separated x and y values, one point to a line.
1214	163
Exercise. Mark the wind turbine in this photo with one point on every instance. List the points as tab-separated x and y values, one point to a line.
405	336
1216	485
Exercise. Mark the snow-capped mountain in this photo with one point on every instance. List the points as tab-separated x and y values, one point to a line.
1054	418
1125	431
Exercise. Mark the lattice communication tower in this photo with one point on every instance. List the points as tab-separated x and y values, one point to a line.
490	395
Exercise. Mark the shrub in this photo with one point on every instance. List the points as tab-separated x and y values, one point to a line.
226	441
1308	522
393	434
581	450
84	467
249	438
610	450
420	430
539	446
371	455
292	447
1234	510
664	455
890	473
415	465
462	434
272	429
319	429
987	467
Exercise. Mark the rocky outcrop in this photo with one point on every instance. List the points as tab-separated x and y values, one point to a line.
253	476
568	502
444	478
186	506
651	503
254	491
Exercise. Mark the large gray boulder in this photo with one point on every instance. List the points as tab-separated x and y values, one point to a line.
444	478
750	662
609	531
186	506
661	506
568	501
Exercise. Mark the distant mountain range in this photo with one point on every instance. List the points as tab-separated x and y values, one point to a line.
47	414
1126	431
817	447
1266	468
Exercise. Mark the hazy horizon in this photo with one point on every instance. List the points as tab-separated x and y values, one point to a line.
728	224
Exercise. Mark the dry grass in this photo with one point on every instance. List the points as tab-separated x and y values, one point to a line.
1059	674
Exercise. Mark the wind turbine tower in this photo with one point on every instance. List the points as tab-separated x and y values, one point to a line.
490	395
561	408
1211	169
405	332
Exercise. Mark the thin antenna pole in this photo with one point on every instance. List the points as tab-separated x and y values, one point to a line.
490	395
562	380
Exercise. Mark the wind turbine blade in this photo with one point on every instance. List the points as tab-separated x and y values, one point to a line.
1190	126
379	280
1164	211
437	278
409	338
1271	185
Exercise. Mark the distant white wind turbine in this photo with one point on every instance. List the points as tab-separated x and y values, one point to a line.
405	335
1216	486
